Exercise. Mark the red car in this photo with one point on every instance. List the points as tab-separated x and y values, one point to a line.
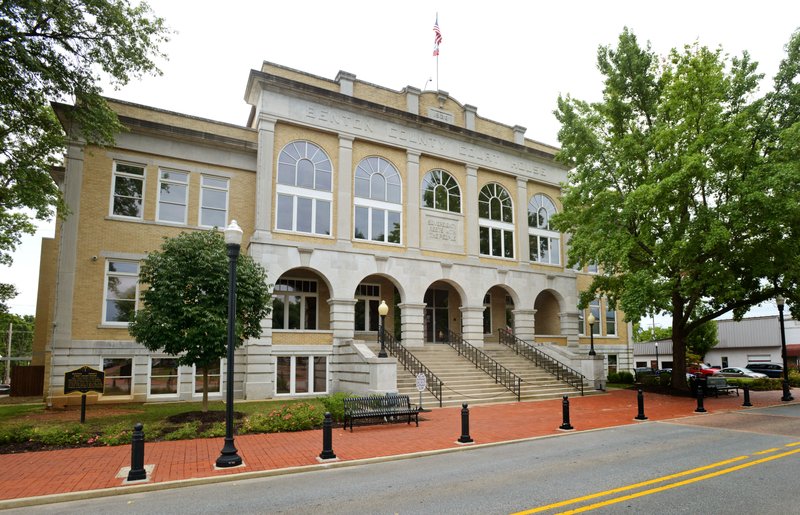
702	369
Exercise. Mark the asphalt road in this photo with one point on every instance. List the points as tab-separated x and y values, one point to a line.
744	462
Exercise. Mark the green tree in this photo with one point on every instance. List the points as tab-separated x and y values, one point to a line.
647	334
684	186
702	339
60	50
185	305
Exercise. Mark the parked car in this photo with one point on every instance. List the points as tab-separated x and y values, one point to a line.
701	368
5	389
770	369
740	372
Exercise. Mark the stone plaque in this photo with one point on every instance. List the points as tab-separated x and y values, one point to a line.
84	379
442	231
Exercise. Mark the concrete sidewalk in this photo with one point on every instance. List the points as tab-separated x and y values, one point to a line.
51	476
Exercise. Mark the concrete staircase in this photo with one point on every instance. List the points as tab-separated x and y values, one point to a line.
463	382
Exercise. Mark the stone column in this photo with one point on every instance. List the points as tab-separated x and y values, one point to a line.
523	245
569	328
472	321
524	325
342	318
412	323
412	201
259	364
470	208
344	193
265	170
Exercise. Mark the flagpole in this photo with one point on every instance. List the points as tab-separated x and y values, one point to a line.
436	41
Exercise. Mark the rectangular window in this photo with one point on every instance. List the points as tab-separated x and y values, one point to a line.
118	376
581	323
164	376
173	190
367	302
214	379
294	304
213	201
594	307
611	320
121	291
375	224
612	363
128	190
496	242
301	375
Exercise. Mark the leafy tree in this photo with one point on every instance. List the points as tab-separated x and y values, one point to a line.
702	339
647	334
685	184
21	337
56	50
185	309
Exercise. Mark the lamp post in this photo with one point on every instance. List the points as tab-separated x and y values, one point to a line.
233	240
591	321
656	344
787	395
383	310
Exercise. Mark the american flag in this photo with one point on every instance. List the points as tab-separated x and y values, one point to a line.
437	38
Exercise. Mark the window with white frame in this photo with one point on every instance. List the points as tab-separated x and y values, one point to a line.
611	319
545	243
591	268
214	378
121	294
594	309
294	304
213	201
127	190
487	314
378	201
164	377
368	298
440	191
173	194
118	376
581	323
304	198
297	375
496	221
612	363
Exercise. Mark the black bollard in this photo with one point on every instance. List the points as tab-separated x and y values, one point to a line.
700	408
640	399
137	471
746	389
327	439
465	438
565	425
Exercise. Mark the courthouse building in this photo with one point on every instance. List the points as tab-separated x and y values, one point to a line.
348	193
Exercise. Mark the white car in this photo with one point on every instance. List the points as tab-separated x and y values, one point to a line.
740	372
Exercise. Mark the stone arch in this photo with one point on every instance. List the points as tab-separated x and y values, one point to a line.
369	292
499	303
300	298
548	313
443	300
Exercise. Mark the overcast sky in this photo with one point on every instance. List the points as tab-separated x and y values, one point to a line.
510	59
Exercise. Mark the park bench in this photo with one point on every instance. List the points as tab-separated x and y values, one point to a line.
389	407
720	384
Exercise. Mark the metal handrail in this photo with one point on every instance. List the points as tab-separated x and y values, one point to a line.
562	372
501	374
414	365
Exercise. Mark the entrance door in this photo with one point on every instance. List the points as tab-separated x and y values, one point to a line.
436	315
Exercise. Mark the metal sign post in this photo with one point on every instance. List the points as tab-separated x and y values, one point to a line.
83	380
422	383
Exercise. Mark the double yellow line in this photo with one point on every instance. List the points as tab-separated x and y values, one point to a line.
724	463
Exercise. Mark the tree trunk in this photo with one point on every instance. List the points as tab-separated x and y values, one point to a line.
679	357
205	389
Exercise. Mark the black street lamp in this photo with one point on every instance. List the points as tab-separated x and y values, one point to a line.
787	394
383	310
233	240
657	367
591	321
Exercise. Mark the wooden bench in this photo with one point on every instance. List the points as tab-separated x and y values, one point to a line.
720	384
385	407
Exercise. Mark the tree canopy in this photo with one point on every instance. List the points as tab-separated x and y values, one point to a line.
60	50
185	305
685	186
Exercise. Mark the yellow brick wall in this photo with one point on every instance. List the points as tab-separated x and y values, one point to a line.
99	233
380	95
301	338
430	99
299	76
495	129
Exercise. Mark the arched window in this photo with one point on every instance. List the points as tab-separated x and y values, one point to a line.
496	221
441	191
304	197
545	243
378	197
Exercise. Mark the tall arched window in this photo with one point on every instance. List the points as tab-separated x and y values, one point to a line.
378	201
496	221
441	191
304	197
545	243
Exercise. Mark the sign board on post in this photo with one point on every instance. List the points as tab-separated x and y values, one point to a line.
84	380
422	383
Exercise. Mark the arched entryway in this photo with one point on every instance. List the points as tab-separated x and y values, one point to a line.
442	313
547	317
498	312
368	296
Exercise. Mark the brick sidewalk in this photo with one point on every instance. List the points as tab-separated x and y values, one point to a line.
68	471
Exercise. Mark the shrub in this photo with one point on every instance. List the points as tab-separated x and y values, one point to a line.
334	404
794	377
625	377
291	417
15	434
61	436
120	433
613	377
213	431
184	432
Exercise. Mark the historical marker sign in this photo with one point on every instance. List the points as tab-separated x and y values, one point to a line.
422	382
84	379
